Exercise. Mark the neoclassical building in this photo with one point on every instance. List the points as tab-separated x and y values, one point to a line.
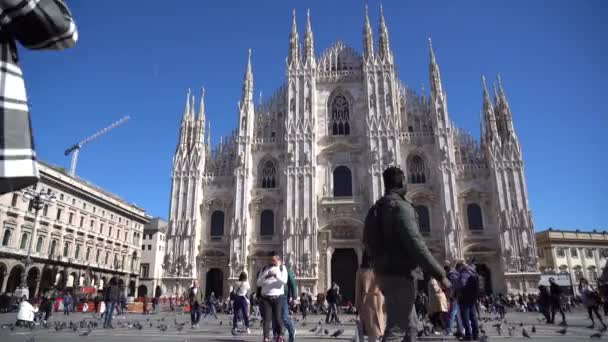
85	238
302	167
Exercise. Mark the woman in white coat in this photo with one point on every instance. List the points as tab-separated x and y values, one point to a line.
26	314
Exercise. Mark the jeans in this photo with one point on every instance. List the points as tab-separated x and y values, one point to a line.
240	305
469	320
399	295
107	320
454	315
557	306
332	313
286	321
272	311
591	310
195	313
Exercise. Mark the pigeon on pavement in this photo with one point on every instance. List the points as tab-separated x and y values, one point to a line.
563	331
337	333
525	333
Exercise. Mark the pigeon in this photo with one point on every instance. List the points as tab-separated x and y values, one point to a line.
420	333
534	329
596	335
221	322
484	338
87	333
314	329
563	331
525	333
180	327
326	332
337	333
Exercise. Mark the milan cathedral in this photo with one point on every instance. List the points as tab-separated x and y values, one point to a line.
301	169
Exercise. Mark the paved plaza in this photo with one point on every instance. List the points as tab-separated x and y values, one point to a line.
219	330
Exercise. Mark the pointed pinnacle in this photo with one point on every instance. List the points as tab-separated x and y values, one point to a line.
308	24
294	27
367	25
201	113
431	51
382	23
485	89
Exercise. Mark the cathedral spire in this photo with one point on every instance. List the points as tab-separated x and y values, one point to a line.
187	108
309	50
491	132
200	120
384	49
294	54
434	74
503	108
185	124
247	95
368	38
201	108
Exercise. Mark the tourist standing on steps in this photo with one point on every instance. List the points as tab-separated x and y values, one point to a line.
591	300
195	299
556	301
240	303
272	280
369	300
333	298
392	238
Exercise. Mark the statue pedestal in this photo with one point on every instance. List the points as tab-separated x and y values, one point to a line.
22	291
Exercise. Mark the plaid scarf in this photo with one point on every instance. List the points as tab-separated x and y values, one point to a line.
38	25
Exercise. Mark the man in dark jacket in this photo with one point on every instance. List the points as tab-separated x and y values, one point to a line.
467	292
392	238
333	299
556	301
195	299
111	297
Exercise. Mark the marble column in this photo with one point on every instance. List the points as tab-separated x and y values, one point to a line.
330	253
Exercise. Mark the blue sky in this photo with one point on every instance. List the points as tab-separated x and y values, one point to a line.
139	57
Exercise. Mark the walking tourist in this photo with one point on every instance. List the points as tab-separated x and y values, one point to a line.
240	302
369	301
454	314
392	238
333	299
544	302
211	303
438	307
291	291
195	299
468	293
111	297
591	300
556	301
68	301
304	304
272	280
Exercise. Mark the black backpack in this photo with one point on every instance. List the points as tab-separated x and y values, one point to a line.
471	289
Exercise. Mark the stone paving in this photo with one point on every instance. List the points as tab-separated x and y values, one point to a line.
219	330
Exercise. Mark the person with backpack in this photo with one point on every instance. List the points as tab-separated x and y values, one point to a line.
454	314
292	293
333	298
271	284
591	300
468	292
397	248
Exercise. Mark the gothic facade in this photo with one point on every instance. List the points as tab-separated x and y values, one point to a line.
301	169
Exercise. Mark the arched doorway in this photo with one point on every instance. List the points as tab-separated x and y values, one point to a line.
61	280
3	273
142	291
485	277
214	282
132	288
158	291
14	278
344	267
33	276
46	280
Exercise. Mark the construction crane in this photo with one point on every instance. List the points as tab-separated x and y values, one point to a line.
76	148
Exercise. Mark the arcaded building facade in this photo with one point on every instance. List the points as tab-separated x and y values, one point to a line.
302	167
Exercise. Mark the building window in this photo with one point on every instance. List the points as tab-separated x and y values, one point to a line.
81	221
343	183
6	239
424	220
217	223
267	223
149	247
145	270
77	252
122	262
61	197
14	200
84	206
92	224
560	252
574	252
24	238
107	259
30	206
143	247
578	274
58	216
474	217
340	116
563	269
269	173
118	233
73	201
101	228
39	244
66	249
53	247
45	210
110	231
71	218
97	256
592	271
416	170
120	220
604	253
588	253
88	254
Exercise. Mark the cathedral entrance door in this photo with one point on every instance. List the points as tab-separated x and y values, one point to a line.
485	277
343	272
214	282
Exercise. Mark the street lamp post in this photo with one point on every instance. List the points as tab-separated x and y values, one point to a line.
38	200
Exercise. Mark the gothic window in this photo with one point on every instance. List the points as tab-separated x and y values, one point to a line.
269	173
267	223
474	217
217	223
24	238
416	170
6	239
39	244
343	184
424	221
340	116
